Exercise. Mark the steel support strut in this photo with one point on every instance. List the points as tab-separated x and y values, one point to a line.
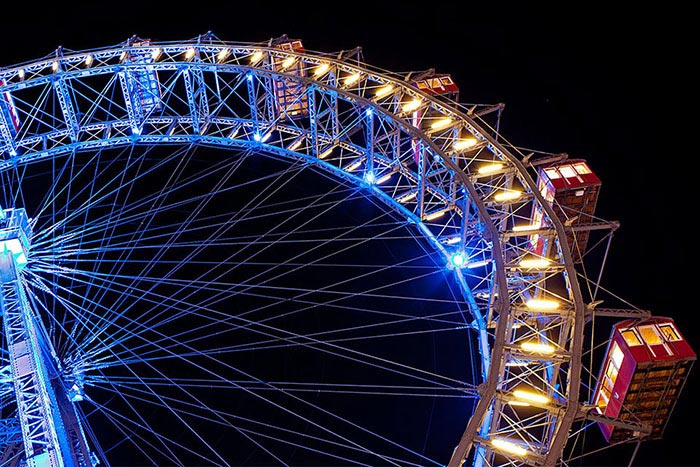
50	429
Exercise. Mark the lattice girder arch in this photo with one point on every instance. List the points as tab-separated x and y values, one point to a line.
430	160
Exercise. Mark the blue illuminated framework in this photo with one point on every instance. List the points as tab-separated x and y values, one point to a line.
50	428
435	163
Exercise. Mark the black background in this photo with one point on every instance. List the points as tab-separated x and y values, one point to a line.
611	84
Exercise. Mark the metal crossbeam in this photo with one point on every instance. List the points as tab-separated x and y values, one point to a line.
50	430
62	89
197	99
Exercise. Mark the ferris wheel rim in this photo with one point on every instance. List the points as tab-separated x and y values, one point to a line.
9	75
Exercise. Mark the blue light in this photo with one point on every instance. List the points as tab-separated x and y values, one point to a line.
370	178
257	137
250	77
368	112
458	259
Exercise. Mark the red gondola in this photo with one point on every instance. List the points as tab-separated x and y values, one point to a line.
573	189
433	84
290	94
645	368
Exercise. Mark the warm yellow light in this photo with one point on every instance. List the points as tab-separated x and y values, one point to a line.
54	65
507	195
541	304
257	56
519	403
295	144
223	53
534	263
410	106
190	53
155	53
384	90
407	197
464	143
321	70
352	79
537	347
384	178
287	62
490	168
517	362
509	447
529	396
325	153
20	73
524	228
434	215
441	123
88	60
353	165
122	56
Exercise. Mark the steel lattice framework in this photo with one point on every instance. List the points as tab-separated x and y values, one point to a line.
435	162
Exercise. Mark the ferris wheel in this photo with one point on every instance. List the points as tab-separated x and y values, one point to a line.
219	253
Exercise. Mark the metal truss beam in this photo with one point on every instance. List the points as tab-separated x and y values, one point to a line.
63	93
197	99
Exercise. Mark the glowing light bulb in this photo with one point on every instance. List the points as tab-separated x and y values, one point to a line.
353	165
321	70
287	62
88	60
256	57
508	446
190	53
507	195
325	153
295	144
537	347
223	53
352	79
384	90
541	304
155	53
524	228
441	123
490	168
529	396
464	143
434	215
384	178
534	263
410	106
407	197
458	259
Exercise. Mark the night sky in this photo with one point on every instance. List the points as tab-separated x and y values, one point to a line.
612	87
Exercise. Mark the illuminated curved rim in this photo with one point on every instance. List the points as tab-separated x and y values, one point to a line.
455	206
